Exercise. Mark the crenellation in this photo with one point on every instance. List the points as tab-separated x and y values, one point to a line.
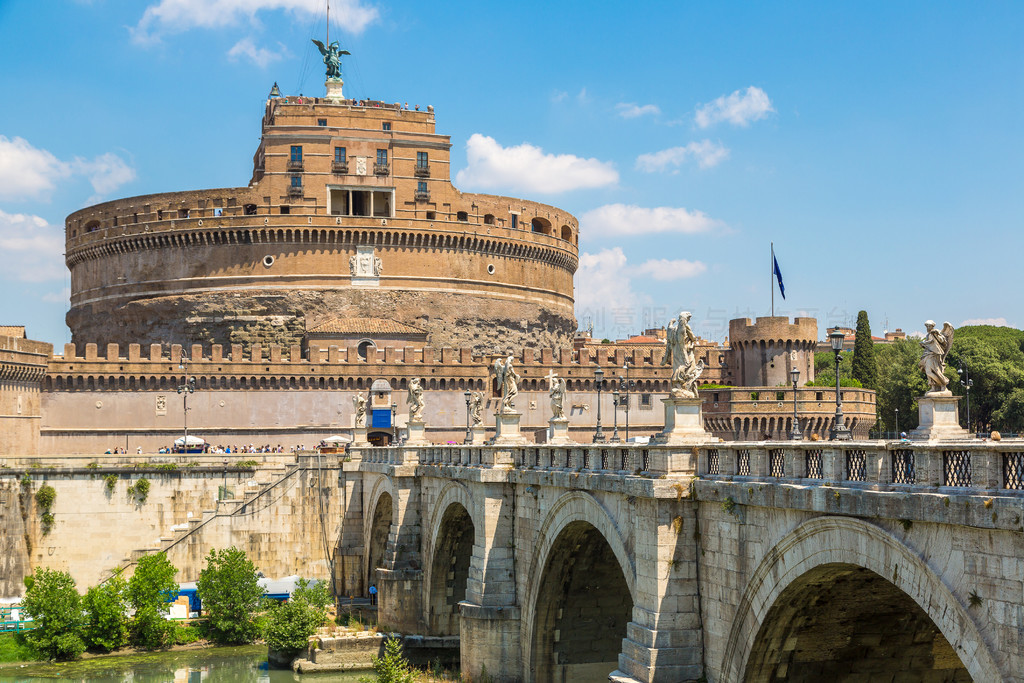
91	351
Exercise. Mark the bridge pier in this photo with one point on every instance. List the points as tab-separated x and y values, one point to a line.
400	581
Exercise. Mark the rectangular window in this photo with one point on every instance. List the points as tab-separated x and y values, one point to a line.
286	209
421	186
339	155
515	221
321	122
296	152
382	157
386	125
296	181
421	160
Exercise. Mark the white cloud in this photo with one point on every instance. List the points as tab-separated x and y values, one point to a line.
631	110
260	56
603	287
33	248
61	297
997	322
526	168
626	219
670	269
738	108
26	171
706	153
180	15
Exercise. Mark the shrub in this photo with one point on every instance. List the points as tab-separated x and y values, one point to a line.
106	615
139	491
110	481
55	606
148	590
231	594
291	624
392	667
46	496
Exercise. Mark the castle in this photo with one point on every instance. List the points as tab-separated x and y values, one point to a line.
350	257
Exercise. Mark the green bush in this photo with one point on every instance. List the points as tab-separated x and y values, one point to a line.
188	633
148	590
110	481
139	491
55	606
106	615
248	464
46	496
231	595
290	625
392	667
14	647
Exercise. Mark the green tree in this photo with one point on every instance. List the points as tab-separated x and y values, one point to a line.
230	593
106	615
54	604
863	366
148	590
1010	415
900	383
291	624
994	357
392	667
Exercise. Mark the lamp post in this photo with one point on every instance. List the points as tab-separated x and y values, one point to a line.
394	424
469	430
615	414
966	382
796	434
839	430
189	387
599	384
897	423
625	385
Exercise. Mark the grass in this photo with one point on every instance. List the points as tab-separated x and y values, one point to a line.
13	648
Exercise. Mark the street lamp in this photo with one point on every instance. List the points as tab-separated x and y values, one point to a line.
625	385
796	435
615	414
897	422
966	382
394	424
599	384
469	430
839	432
189	387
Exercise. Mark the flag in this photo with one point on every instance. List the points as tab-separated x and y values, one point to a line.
778	276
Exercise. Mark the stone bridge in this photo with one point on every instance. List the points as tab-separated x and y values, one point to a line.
761	561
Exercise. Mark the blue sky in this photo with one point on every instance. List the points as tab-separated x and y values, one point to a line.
877	144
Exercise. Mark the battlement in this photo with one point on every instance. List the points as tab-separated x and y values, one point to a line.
776	329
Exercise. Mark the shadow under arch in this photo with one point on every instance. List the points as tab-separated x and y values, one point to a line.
452	533
377	527
827	542
572	513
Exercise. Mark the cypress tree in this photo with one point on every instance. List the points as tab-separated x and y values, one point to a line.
864	366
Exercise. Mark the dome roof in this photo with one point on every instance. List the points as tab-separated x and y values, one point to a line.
380	385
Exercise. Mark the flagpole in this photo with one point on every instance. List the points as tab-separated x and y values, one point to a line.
771	279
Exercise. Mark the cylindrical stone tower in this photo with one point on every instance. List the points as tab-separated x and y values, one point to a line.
761	351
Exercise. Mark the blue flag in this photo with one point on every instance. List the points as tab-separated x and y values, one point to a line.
778	276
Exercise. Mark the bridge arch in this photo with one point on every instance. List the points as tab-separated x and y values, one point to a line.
377	528
452	535
581	552
824	550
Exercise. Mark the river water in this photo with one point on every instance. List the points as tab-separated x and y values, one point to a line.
217	665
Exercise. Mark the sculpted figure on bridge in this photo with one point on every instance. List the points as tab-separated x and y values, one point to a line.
476	406
935	346
679	347
359	402
508	380
557	394
415	400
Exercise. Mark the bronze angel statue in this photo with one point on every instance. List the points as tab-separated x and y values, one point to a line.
935	346
332	57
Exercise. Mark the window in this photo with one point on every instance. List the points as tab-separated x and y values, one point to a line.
489	219
286	209
431	215
339	155
386	125
382	157
321	122
645	400
716	397
422	161
421	187
515	221
218	212
461	216
296	153
296	181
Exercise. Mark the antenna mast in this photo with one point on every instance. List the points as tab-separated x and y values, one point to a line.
328	22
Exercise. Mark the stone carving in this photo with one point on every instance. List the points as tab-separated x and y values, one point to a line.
378	266
415	400
359	403
679	347
508	380
332	58
935	346
360	165
556	391
365	264
476	406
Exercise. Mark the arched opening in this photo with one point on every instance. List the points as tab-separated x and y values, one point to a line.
841	622
488	219
365	348
583	606
453	550
567	233
378	545
541	225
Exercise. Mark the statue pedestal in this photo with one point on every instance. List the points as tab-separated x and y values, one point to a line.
359	436
506	430
417	433
334	89
683	423
479	435
560	432
939	418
